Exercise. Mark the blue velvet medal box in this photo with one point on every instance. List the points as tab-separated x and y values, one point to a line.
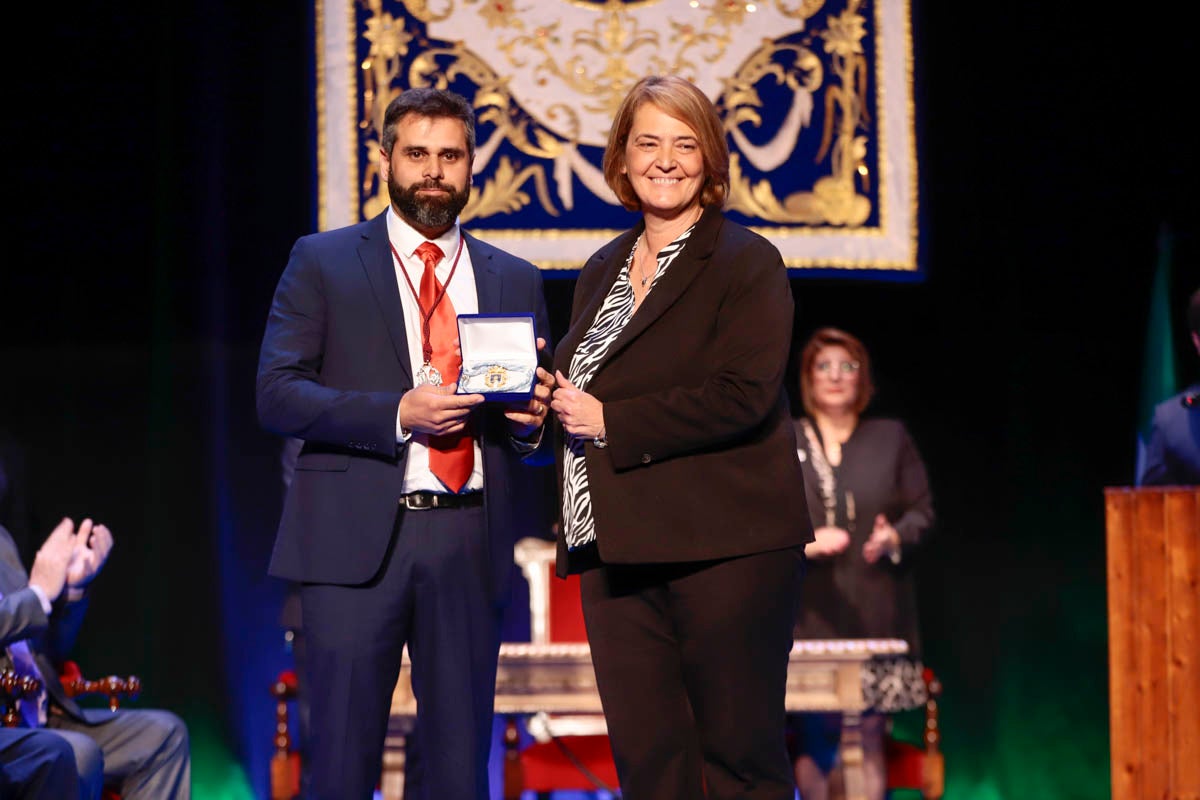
499	356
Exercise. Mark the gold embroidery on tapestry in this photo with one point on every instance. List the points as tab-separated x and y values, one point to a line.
599	70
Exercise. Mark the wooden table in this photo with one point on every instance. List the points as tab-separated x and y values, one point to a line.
823	675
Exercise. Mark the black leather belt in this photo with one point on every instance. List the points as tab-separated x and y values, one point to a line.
423	501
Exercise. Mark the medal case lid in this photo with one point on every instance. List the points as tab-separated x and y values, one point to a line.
499	356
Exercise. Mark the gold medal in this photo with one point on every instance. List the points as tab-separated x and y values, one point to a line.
496	377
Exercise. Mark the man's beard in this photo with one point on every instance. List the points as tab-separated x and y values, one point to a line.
427	211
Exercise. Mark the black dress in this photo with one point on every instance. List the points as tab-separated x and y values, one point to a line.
844	597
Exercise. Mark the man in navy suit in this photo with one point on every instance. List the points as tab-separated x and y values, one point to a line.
1173	452
387	549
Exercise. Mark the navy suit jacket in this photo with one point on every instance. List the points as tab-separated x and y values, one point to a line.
1173	452
333	366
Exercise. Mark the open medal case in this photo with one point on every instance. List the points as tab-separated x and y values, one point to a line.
499	356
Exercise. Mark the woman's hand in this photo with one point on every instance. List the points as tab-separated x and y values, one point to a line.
884	541
830	541
581	414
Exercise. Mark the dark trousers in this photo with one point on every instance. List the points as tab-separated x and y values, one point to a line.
145	753
691	663
434	594
37	764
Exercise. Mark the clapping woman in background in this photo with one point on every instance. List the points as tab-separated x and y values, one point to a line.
870	504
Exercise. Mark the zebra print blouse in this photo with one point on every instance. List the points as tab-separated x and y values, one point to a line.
579	526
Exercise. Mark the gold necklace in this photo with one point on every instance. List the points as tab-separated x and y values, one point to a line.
645	277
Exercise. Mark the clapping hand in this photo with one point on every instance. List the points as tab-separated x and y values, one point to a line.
92	546
884	540
830	541
49	570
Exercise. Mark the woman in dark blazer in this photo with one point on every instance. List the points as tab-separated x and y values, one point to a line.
683	501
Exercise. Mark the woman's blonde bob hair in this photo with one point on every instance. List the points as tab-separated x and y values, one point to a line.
678	98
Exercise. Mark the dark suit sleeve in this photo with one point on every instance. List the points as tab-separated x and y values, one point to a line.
914	496
541	318
1156	470
65	621
21	616
745	363
21	613
543	453
292	398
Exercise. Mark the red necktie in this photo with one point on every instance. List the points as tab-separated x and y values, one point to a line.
451	458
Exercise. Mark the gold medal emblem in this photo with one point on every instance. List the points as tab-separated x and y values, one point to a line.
495	377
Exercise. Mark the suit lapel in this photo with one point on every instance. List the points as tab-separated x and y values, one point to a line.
55	688
488	286
610	262
669	288
376	256
683	270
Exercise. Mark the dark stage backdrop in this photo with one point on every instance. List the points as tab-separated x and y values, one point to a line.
158	166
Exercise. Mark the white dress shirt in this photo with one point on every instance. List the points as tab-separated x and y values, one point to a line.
461	292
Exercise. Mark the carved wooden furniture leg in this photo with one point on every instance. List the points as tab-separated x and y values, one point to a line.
852	756
114	688
285	763
934	777
514	773
14	687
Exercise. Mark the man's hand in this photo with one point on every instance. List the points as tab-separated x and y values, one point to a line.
436	410
526	418
92	547
49	571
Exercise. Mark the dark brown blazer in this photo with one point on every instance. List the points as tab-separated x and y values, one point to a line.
701	459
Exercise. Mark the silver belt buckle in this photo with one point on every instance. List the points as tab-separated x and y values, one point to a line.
412	503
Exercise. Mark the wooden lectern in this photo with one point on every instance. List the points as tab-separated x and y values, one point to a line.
1154	641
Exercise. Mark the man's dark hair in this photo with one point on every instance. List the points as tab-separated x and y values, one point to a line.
428	102
1193	313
